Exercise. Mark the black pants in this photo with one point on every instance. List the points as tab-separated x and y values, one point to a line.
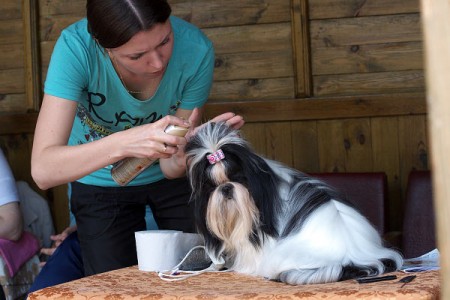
108	217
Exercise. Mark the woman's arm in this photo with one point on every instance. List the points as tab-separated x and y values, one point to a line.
11	225
53	162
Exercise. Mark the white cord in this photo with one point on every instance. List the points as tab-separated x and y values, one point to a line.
175	274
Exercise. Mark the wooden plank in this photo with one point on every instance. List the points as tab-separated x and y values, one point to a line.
357	141
18	154
254	65
46	49
300	41
325	9
31	50
207	13
413	145
249	38
331	146
203	13
10	9
17	123
62	7
241	90
436	28
323	108
369	83
368	58
278	142
12	81
12	56
305	152
385	145
255	134
13	103
365	30
50	27
11	32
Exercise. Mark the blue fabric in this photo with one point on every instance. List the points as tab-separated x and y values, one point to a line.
80	70
64	265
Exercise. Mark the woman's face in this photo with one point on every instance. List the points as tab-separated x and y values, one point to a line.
147	53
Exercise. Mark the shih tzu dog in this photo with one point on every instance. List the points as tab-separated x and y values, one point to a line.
262	218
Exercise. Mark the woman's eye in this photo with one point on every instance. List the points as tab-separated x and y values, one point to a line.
165	41
136	57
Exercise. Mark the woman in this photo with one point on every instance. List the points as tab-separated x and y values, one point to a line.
116	80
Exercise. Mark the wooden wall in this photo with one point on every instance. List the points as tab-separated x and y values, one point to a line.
324	85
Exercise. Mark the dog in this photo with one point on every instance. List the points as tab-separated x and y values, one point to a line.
262	218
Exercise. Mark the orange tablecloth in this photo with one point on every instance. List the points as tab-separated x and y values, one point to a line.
130	283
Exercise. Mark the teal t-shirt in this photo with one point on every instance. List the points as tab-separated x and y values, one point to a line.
80	70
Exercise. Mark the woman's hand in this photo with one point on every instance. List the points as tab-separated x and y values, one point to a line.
57	240
152	141
232	120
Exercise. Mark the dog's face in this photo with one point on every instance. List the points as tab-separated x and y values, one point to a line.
227	180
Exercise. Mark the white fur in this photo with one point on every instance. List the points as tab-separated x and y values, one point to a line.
333	235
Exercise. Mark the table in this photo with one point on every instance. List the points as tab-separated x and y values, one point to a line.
130	283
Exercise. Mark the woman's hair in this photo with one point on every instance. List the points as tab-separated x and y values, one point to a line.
112	23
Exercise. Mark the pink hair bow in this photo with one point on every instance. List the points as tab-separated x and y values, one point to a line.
215	157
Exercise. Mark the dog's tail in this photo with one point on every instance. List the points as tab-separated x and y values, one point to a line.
366	255
357	246
335	243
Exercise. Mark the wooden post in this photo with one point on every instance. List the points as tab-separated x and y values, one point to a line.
31	51
436	29
300	41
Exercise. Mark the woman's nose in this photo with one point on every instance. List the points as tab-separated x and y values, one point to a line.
155	61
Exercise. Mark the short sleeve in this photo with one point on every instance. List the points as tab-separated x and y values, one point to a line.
8	189
67	74
197	89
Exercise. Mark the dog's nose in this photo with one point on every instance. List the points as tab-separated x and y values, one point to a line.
227	190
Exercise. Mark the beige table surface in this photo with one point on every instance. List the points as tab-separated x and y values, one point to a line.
130	283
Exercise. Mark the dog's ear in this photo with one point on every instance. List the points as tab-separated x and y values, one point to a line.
262	182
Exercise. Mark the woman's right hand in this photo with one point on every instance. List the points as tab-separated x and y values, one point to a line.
151	140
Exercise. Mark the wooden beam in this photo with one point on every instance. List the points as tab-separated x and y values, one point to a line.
436	28
17	123
280	110
31	51
323	108
300	43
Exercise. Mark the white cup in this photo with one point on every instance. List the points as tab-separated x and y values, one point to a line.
161	250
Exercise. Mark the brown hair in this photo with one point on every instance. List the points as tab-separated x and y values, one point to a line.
114	22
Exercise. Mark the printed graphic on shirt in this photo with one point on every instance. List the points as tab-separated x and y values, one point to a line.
94	131
120	120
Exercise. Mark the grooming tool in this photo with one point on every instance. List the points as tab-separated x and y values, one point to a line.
376	279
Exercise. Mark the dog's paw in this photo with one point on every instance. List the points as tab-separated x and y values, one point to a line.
293	277
311	276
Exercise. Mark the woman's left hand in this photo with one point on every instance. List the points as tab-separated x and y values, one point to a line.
232	120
